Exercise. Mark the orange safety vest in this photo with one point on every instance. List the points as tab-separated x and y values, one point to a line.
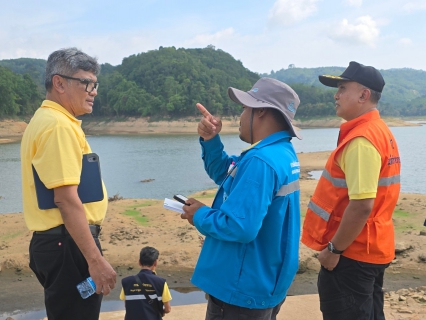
375	243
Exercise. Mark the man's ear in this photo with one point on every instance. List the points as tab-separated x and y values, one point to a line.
58	83
365	95
261	112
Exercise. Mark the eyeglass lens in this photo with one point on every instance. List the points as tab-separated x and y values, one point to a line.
90	86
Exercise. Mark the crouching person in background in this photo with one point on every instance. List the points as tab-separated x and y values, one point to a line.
146	295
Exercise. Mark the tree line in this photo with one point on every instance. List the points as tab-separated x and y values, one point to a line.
404	93
168	82
19	94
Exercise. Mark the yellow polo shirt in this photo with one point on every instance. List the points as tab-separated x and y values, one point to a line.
54	143
361	163
166	297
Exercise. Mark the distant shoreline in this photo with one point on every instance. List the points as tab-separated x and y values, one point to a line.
12	130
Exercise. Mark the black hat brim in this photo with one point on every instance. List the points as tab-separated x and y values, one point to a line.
331	81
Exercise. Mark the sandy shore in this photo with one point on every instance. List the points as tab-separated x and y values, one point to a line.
12	130
133	223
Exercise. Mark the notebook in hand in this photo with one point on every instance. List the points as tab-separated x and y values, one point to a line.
89	189
173	205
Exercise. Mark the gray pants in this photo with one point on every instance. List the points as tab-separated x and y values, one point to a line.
217	309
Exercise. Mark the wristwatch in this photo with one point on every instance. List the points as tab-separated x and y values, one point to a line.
332	249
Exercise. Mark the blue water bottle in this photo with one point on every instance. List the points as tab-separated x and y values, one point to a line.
86	288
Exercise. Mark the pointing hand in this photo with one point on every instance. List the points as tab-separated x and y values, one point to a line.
209	126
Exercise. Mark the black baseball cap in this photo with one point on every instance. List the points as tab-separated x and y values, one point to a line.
368	76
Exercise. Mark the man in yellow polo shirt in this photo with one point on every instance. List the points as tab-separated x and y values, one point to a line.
64	248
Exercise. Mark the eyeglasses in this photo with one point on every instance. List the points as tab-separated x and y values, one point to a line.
90	85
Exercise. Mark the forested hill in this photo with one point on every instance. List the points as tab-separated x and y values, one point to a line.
404	92
19	94
166	83
35	68
169	82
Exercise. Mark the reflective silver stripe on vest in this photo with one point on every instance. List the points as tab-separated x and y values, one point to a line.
142	297
319	211
136	297
288	188
233	172
383	182
341	183
337	182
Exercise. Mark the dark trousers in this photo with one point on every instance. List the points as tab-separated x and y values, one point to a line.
217	309
59	266
352	291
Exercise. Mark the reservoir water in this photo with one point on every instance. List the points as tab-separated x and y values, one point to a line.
174	163
179	299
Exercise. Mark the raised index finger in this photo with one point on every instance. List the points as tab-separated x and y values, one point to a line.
203	110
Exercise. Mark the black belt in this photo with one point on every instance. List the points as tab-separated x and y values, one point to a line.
94	230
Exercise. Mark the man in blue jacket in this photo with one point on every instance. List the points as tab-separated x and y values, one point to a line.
250	254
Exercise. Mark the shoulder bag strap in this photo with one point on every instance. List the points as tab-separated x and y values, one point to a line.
139	282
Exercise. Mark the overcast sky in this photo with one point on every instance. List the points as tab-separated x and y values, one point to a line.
264	34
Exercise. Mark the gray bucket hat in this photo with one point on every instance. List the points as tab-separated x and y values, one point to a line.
270	93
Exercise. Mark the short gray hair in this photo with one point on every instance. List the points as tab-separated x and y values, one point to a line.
67	62
374	95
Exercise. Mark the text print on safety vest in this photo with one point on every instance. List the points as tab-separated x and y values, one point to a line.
294	165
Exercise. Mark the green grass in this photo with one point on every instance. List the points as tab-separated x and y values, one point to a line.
401	227
137	216
398	213
145	204
401	223
10	236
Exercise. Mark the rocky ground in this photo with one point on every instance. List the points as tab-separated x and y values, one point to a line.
406	303
133	223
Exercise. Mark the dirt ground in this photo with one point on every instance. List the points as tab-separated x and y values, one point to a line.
131	224
12	130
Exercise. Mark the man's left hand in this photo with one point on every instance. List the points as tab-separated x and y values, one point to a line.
328	259
190	209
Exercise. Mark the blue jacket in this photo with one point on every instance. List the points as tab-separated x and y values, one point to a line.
250	254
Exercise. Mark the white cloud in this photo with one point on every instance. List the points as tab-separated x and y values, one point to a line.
354	3
405	42
206	39
363	31
415	6
285	12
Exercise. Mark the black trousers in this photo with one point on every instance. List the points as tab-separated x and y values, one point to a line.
217	309
59	266
352	291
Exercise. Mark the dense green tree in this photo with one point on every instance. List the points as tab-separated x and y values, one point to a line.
19	95
107	68
314	101
168	82
402	85
171	81
35	68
